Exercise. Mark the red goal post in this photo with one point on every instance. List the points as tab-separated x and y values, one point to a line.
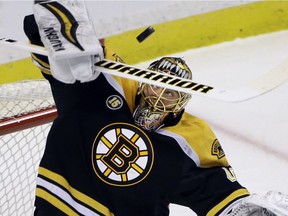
27	110
27	120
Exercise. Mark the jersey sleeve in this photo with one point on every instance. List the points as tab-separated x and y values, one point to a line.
202	141
208	184
31	30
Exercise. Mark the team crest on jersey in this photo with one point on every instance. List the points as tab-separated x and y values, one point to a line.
114	102
122	154
217	149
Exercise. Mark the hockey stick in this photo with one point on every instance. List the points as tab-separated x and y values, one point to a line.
257	87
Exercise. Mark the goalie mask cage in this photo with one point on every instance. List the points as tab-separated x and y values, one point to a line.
27	110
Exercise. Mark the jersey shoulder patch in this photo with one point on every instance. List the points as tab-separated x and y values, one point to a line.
201	139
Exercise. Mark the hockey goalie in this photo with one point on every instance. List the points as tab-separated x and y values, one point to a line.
124	148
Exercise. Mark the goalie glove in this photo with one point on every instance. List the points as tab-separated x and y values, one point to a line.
67	32
272	204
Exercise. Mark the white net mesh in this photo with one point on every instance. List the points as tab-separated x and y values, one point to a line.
20	151
21	97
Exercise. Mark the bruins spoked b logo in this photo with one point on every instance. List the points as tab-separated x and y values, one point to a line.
122	155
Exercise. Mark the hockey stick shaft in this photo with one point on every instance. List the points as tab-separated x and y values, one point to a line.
256	87
127	71
23	46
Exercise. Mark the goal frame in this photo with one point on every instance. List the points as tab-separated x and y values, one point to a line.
27	120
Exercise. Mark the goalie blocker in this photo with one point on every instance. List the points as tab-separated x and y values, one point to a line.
66	29
68	33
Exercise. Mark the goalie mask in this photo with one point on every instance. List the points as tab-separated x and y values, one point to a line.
157	106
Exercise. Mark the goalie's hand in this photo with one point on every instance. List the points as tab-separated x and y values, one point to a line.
68	33
273	204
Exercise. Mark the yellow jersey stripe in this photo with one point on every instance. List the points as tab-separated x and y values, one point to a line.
44	64
233	196
75	193
55	202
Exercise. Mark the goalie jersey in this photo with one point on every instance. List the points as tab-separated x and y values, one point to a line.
98	162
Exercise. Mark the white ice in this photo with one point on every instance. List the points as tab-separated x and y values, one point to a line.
253	133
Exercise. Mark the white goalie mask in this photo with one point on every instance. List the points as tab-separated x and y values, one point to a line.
159	106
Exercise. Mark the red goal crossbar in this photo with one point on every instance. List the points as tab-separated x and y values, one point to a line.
27	120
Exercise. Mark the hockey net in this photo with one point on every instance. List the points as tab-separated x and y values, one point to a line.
27	109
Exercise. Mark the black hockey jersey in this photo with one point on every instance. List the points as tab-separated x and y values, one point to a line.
98	162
